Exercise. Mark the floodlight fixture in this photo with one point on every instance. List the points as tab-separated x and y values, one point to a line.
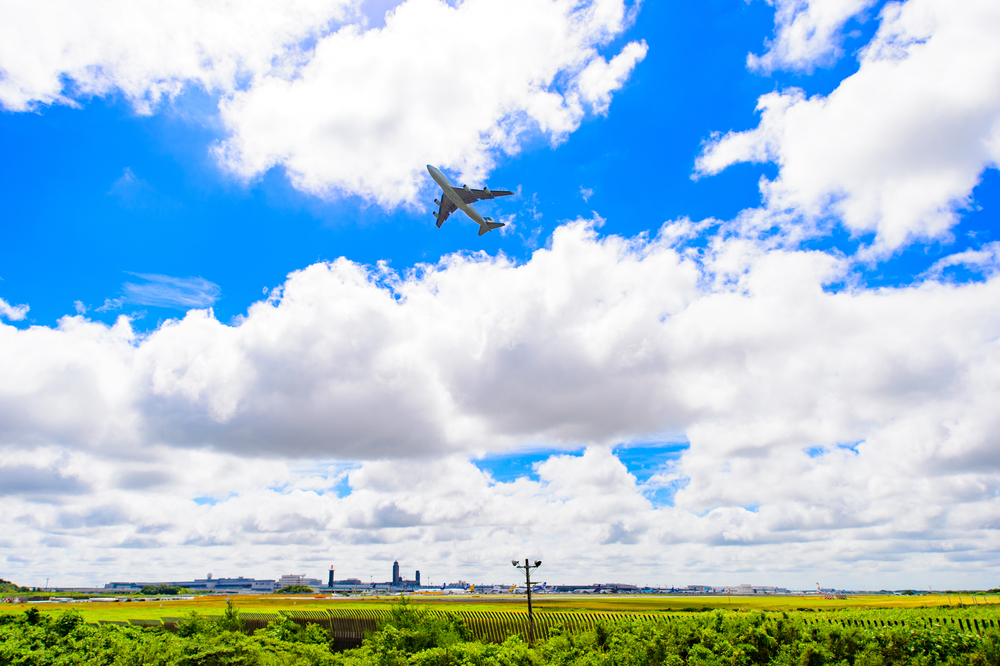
528	566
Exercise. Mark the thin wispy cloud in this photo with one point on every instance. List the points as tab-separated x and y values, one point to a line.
171	292
135	194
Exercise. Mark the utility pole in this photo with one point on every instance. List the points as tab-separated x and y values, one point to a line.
527	566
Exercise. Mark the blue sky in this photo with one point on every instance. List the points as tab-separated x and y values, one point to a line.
97	193
742	236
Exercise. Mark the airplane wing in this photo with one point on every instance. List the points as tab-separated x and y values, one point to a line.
447	208
470	195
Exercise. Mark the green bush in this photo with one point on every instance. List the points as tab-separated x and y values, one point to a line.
161	590
411	637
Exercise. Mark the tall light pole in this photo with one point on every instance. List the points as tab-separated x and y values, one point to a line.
527	566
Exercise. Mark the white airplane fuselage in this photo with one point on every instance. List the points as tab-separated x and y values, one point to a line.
448	190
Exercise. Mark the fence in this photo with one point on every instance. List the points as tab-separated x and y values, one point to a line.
348	627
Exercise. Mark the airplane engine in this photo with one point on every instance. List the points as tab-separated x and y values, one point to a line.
487	190
437	203
434	212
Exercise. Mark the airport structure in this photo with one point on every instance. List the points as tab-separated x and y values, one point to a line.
397	579
288	580
239	585
397	584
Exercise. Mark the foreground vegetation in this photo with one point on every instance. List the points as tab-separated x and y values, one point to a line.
971	606
411	637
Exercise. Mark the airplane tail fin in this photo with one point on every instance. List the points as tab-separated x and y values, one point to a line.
490	225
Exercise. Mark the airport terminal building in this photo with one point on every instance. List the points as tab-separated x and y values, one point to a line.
239	585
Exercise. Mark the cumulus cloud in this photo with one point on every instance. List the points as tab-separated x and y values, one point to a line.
33	481
13	312
859	418
150	50
594	340
808	33
307	87
436	84
897	148
585	515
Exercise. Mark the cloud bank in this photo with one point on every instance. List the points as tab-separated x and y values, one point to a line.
859	418
830	428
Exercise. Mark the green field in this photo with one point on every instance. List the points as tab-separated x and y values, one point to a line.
119	611
588	631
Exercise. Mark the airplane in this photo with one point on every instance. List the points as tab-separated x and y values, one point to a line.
458	198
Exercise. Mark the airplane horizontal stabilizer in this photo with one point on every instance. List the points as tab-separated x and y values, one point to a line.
490	226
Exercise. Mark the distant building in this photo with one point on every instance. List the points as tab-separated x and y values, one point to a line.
749	590
348	582
399	581
239	585
295	579
697	589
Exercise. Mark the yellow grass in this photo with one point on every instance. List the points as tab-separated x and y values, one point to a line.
214	605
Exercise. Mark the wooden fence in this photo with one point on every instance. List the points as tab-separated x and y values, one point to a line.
348	627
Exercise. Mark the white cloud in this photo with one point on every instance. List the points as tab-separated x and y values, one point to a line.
304	86
171	292
109	305
985	260
897	148
808	33
453	86
594	340
13	312
601	78
860	419
585	516
150	49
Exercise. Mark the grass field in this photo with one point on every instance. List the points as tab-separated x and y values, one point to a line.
214	605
